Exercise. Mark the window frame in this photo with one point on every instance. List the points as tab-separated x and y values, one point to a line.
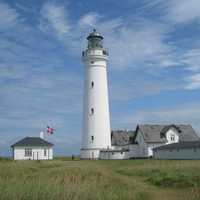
45	152
92	84
28	152
172	137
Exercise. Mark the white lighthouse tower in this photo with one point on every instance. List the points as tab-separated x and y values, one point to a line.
96	134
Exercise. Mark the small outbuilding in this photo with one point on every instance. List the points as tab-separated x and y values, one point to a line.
32	148
181	150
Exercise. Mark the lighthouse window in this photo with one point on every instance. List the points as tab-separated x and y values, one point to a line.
92	111
92	138
92	84
105	52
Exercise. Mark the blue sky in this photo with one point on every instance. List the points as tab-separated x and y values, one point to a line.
153	70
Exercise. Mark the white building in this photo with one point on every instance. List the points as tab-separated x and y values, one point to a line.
141	142
32	148
150	136
96	116
181	150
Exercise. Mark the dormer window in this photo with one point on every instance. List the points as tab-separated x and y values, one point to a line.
172	137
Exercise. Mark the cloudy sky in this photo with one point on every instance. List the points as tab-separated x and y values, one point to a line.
153	71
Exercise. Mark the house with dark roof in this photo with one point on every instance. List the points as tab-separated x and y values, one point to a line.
181	150
120	140
150	136
32	148
139	143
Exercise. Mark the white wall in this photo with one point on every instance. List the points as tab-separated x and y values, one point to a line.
181	154
134	151
37	153
90	154
142	150
96	125
153	145
114	155
172	132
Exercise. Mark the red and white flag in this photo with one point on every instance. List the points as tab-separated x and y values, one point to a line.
50	130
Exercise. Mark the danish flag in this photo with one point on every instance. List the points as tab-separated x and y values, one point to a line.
50	130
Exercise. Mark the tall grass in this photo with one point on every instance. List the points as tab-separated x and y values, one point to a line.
85	180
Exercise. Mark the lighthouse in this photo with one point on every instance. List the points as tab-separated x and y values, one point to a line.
96	135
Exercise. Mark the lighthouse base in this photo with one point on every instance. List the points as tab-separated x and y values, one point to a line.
90	154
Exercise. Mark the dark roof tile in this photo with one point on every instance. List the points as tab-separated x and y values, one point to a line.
153	133
32	141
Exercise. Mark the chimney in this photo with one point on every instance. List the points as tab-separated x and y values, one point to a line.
42	135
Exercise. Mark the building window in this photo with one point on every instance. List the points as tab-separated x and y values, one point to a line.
92	111
28	152
172	137
92	84
194	150
45	152
121	152
92	62
105	52
92	138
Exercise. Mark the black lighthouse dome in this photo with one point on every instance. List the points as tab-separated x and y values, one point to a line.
95	40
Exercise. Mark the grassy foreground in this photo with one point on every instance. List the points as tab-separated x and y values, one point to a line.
85	180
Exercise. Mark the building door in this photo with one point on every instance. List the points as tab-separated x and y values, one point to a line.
33	156
37	156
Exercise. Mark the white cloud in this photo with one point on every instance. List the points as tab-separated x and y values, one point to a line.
183	11
192	59
54	17
182	114
173	11
193	82
142	40
89	20
8	16
144	45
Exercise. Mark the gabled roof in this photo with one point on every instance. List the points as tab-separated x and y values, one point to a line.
153	133
32	141
180	145
121	137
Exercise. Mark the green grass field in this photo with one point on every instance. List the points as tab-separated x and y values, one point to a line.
128	179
